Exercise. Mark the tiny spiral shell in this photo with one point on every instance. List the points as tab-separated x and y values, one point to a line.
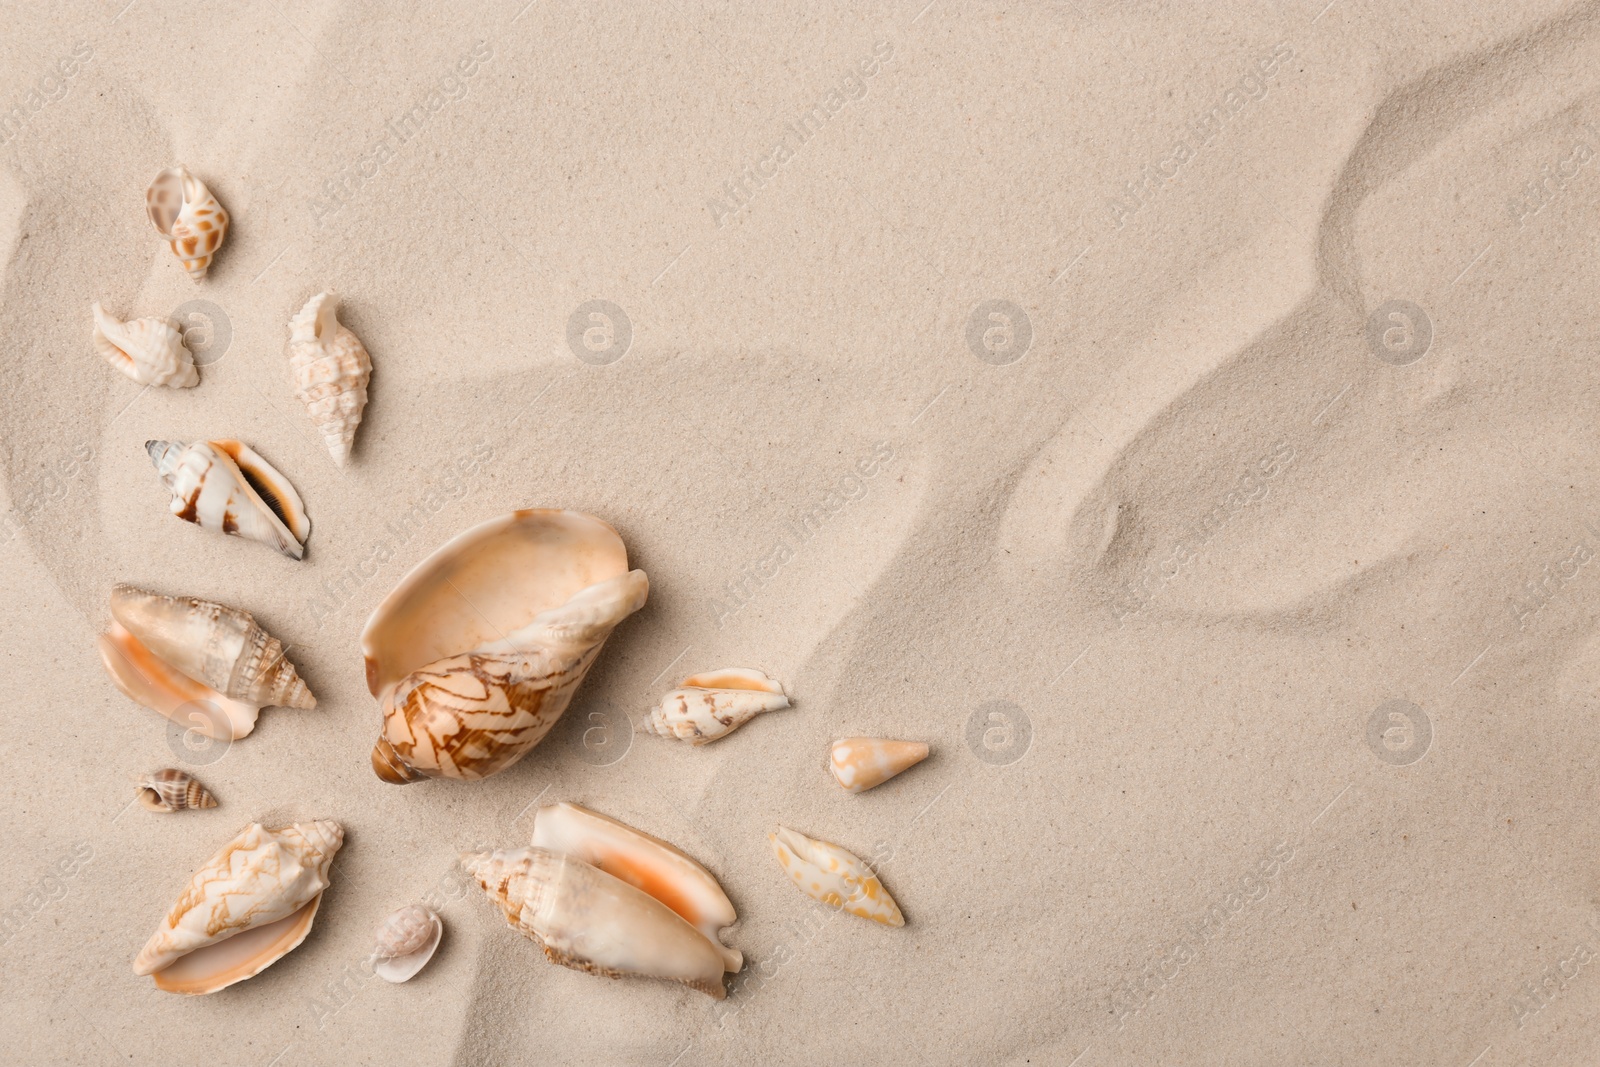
172	790
405	931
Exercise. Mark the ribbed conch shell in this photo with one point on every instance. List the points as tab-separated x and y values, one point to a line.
186	213
405	942
201	664
330	369
172	790
834	876
714	704
227	487
477	652
588	920
252	903
150	351
859	763
644	862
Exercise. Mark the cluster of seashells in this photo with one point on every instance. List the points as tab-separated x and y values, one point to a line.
472	658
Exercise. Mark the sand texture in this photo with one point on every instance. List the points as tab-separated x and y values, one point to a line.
1182	417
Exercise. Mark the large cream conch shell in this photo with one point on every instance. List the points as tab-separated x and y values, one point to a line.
644	862
252	903
186	213
227	487
478	650
203	665
834	876
150	351
330	369
714	704
590	921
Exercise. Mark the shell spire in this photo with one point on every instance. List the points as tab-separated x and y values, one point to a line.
330	369
150	350
188	216
590	921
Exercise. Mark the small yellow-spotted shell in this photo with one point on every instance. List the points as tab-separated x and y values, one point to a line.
188	215
834	876
859	763
172	790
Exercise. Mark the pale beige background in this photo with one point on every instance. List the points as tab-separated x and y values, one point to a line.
1197	535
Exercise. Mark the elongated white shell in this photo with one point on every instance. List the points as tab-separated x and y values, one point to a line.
644	862
478	650
714	704
587	920
186	213
172	790
330	369
860	763
227	487
834	876
150	351
212	643
244	909
406	940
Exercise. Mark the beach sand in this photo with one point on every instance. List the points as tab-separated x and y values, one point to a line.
1181	419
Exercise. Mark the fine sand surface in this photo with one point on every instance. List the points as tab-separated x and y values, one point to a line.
1251	616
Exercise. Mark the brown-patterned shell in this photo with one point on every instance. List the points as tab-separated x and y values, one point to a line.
172	790
188	216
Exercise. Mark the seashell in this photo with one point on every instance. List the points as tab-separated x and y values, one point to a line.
588	920
226	486
249	905
478	650
330	369
644	862
714	704
859	763
406	941
150	351
836	877
172	790
199	663
186	213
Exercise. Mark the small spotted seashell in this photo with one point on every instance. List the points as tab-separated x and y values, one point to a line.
859	763
834	876
187	215
171	790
